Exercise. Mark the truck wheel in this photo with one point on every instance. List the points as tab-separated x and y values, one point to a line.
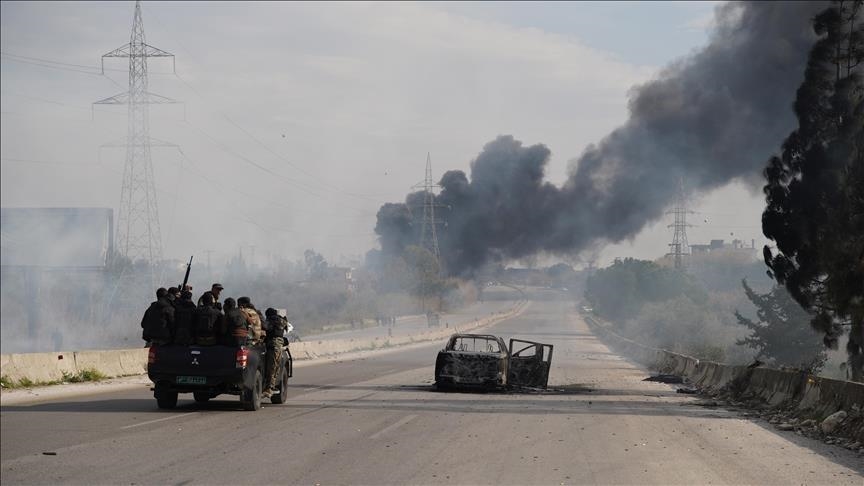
281	397
202	397
165	398
251	397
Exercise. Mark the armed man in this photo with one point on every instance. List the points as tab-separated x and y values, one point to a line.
254	318
158	321
208	322
214	291
237	327
184	310
275	326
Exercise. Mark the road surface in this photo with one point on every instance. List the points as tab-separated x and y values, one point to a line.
377	420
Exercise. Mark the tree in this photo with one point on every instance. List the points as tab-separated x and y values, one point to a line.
781	333
316	265
619	291
815	212
427	281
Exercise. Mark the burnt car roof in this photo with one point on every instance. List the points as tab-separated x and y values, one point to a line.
486	336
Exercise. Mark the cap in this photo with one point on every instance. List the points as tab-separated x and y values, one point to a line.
217	286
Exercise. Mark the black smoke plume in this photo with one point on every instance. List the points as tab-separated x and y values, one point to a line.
711	118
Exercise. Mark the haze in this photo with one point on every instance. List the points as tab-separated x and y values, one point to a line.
341	101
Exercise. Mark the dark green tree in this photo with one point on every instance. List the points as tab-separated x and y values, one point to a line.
781	334
814	211
619	291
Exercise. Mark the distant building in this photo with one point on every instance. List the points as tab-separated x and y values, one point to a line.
340	275
737	250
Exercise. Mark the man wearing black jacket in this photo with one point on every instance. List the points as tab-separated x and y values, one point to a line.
158	321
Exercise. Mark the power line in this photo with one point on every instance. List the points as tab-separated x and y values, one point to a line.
325	184
81	68
56	65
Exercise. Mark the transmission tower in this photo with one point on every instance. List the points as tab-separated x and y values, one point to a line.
680	248
428	232
138	233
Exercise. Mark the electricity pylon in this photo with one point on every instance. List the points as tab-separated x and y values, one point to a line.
428	232
138	233
680	248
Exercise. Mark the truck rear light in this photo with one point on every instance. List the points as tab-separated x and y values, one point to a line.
242	357
151	355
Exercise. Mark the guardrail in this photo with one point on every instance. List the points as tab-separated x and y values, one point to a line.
50	367
804	392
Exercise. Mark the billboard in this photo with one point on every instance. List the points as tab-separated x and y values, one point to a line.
56	237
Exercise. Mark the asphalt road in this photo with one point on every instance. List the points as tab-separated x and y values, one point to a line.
377	420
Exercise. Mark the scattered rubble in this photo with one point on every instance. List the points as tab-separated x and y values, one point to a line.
832	422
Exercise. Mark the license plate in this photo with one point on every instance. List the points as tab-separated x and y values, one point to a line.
192	380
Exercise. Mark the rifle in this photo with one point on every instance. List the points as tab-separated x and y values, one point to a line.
186	278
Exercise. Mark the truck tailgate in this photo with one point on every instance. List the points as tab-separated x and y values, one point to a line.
195	360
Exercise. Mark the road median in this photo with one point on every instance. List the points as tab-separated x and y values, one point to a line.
49	368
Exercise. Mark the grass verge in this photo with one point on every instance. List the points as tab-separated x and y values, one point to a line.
82	376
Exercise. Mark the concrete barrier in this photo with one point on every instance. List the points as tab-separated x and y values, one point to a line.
37	367
808	394
48	367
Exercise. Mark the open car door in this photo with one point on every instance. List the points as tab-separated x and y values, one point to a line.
529	364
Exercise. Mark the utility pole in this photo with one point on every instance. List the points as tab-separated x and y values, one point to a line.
138	233
680	248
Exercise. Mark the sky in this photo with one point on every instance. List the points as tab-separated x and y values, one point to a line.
300	119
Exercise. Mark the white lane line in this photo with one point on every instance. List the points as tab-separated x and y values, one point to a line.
172	417
392	427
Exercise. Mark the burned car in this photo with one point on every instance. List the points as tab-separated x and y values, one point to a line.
485	361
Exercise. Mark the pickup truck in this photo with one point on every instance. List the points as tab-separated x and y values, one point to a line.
210	371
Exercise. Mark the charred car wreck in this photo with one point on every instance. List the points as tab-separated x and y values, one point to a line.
485	361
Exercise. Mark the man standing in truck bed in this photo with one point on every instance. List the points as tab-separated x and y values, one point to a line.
254	318
214	291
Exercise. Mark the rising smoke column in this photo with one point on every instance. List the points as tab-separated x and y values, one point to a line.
712	118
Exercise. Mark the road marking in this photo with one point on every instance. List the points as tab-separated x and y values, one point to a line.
393	427
172	417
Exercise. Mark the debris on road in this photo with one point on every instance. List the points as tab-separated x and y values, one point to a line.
687	391
832	421
671	379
